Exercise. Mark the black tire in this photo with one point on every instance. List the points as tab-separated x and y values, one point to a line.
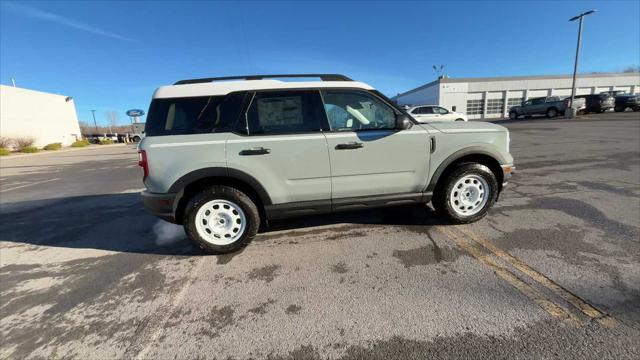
136	139
513	115
619	109
459	119
552	112
221	193
445	187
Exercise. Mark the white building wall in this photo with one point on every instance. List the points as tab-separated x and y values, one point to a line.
454	93
48	118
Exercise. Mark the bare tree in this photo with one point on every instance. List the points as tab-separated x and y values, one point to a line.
112	119
85	128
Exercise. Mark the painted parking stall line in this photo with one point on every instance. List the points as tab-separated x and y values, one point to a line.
542	279
30	184
544	302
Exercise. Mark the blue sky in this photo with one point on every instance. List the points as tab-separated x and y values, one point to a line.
112	55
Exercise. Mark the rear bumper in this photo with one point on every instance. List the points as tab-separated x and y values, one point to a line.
160	205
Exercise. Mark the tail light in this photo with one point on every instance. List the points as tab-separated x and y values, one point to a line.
142	162
566	102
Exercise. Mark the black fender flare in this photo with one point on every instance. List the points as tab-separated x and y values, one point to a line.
472	150
223	172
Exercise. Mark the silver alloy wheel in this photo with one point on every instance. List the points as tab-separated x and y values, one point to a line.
220	222
469	195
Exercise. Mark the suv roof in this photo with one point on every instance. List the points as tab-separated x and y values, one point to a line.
225	85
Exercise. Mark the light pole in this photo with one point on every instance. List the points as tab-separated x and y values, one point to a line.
575	65
93	112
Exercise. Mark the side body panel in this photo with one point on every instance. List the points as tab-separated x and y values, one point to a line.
389	162
172	157
296	167
453	141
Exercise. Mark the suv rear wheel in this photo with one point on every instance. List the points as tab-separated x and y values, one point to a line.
466	194
513	115
221	219
552	112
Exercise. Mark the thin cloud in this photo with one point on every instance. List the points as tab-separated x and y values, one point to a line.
65	21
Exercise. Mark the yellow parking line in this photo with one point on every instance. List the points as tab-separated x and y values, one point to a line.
542	279
546	304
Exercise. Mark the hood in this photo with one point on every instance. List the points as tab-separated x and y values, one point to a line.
467	127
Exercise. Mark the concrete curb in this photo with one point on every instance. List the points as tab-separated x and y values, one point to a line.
44	152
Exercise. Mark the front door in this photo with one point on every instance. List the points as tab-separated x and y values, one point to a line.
369	155
444	114
279	143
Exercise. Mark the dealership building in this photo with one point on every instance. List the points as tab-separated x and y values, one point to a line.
47	118
482	98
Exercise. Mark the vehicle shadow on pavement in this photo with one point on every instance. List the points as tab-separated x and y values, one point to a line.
113	222
408	215
118	222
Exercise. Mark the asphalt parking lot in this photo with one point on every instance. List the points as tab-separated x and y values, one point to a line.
553	271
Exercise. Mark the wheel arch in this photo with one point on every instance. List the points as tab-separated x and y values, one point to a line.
191	183
468	155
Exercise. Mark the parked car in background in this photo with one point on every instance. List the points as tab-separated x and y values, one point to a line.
615	93
627	101
430	113
597	102
137	133
551	106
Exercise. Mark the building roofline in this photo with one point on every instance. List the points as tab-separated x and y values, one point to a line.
31	90
535	77
417	89
512	78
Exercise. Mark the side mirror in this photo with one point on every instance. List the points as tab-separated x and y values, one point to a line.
403	122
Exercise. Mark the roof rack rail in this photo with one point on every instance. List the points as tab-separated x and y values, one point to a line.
323	77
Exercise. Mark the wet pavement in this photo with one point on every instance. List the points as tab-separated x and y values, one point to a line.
553	271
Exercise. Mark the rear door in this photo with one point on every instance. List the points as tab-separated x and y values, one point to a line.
424	114
369	155
278	141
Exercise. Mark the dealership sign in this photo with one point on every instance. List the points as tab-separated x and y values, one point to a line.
135	112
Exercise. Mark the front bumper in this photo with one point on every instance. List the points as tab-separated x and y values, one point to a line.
507	171
160	205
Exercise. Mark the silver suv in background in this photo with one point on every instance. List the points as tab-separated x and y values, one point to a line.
223	156
551	106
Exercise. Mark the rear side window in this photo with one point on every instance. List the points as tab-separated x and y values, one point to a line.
192	115
423	110
284	112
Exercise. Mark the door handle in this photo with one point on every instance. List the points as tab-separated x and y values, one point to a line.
349	146
255	151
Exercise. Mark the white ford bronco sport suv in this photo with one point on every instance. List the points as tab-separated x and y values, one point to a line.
222	156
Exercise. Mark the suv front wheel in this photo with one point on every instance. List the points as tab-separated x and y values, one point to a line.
221	219
466	194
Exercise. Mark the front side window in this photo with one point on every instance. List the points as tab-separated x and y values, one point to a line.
284	112
441	111
537	101
192	115
356	110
